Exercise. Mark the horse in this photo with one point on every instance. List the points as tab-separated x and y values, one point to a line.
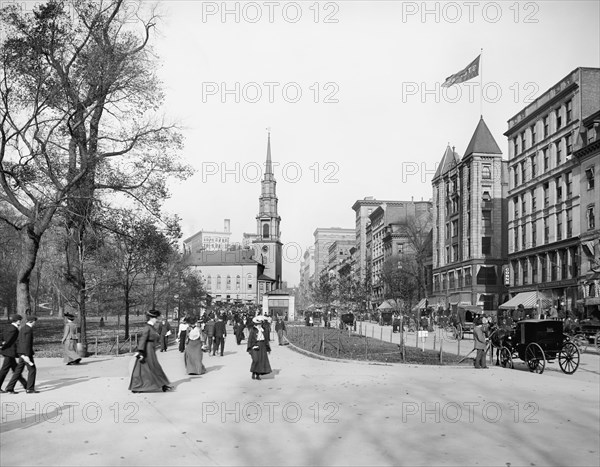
499	337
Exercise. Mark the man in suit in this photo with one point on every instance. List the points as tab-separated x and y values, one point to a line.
220	333
209	329
25	357
9	350
164	329
480	344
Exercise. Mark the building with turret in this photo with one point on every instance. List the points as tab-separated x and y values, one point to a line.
469	217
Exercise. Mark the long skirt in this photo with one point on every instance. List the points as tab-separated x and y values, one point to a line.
260	359
182	335
70	351
149	375
193	358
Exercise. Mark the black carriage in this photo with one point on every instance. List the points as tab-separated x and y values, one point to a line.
347	320
385	318
537	341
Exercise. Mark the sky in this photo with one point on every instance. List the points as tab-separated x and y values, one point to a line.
351	92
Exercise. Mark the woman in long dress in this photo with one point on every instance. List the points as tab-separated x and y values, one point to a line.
258	347
69	341
147	374
193	352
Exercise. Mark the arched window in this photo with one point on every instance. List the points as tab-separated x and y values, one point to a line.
218	282
228	285
249	281
265	230
238	281
208	282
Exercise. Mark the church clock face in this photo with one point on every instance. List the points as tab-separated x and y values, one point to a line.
265	248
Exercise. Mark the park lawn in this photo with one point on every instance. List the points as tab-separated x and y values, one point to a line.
340	344
48	332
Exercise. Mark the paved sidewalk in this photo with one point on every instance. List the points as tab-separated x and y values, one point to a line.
308	412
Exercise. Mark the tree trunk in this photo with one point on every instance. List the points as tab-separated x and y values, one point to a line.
127	306
30	244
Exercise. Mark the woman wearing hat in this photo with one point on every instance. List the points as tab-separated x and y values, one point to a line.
258	347
147	374
193	351
69	341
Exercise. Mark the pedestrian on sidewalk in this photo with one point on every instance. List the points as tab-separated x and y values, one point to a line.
281	331
9	350
259	348
69	341
147	374
480	344
193	351
209	329
164	330
220	333
266	324
238	330
181	333
25	358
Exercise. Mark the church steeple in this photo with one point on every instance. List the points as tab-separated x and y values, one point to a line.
268	244
268	196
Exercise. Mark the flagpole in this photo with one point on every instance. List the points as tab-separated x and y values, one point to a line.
481	83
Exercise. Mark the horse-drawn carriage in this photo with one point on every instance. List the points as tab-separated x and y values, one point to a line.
537	341
347	320
386	318
462	322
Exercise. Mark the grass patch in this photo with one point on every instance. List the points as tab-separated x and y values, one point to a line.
48	332
338	344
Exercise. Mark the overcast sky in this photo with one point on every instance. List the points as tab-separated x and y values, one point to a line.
370	119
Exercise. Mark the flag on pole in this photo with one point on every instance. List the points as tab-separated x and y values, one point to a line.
470	71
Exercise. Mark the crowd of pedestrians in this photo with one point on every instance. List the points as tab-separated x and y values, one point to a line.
201	335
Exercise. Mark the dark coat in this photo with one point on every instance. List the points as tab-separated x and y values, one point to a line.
9	346
164	328
220	330
25	342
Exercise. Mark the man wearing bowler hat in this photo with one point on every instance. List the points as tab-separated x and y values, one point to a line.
9	350
25	357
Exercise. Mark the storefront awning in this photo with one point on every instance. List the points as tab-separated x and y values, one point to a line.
527	299
421	305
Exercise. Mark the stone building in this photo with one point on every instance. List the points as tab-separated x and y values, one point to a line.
469	235
550	205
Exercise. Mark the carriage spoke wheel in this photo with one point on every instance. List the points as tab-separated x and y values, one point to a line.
506	358
450	332
568	358
535	358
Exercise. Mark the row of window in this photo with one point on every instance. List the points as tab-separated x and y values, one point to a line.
486	275
528	169
561	185
453	255
546	267
562	231
228	282
550	123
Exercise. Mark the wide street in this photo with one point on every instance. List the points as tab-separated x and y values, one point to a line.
308	412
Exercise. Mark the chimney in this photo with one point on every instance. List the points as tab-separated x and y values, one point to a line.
227	225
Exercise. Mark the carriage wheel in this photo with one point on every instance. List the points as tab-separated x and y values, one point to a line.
535	358
581	341
568	358
597	341
506	358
